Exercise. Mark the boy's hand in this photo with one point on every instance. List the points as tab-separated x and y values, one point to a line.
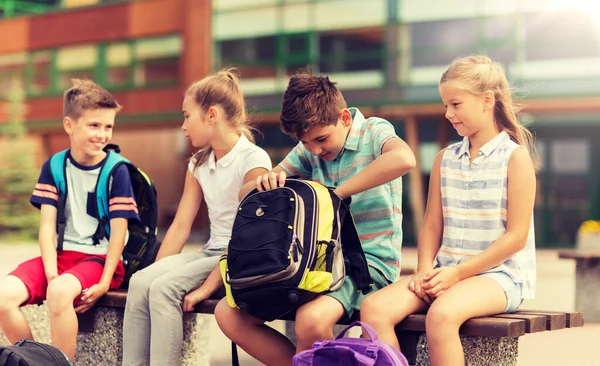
90	297
270	181
190	300
439	280
416	286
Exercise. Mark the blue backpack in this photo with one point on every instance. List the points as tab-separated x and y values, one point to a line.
142	246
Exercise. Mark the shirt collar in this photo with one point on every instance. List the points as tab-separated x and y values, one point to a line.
230	156
486	149
358	121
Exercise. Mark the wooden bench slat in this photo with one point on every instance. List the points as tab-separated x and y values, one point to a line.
554	321
478	327
533	323
573	319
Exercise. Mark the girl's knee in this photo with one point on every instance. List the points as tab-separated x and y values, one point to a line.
441	316
138	284
163	291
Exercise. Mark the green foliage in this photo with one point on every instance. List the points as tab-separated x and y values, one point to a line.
18	172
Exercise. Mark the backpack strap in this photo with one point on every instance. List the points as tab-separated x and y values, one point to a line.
113	159
4	355
58	169
354	256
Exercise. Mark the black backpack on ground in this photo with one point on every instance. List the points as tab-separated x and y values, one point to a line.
30	353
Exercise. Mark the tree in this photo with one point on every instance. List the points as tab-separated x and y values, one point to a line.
18	172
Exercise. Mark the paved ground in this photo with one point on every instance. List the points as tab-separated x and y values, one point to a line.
556	291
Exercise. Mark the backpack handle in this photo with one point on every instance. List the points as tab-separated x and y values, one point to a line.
366	327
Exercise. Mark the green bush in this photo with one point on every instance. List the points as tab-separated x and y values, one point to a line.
18	171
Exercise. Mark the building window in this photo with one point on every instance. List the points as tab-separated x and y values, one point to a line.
12	66
561	35
76	62
254	57
438	43
41	64
157	60
119	64
351	50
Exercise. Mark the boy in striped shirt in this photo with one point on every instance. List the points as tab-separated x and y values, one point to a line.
73	279
361	157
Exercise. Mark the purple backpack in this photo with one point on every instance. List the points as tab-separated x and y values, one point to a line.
351	351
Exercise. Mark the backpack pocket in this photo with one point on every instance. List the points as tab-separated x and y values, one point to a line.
266	241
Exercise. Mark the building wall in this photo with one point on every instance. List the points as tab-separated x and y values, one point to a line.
144	52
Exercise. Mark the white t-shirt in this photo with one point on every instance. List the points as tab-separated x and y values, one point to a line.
221	182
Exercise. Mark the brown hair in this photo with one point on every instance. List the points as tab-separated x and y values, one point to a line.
481	74
309	101
222	89
86	95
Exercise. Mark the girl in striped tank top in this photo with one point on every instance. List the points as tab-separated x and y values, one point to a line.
476	246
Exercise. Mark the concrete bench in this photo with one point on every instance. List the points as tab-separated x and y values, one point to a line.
487	341
587	281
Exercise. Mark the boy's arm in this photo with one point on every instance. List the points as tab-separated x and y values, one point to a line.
116	243
45	198
179	231
396	159
48	240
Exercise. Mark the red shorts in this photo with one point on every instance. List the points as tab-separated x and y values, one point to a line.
85	267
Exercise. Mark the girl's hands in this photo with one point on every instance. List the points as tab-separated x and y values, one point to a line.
416	286
439	280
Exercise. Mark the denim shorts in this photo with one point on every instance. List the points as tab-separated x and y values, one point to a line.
512	290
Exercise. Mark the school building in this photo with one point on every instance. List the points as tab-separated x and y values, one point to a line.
386	55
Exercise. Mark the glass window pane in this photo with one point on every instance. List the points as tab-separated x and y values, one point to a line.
353	50
423	10
12	66
344	14
226	5
41	62
157	60
297	17
245	24
80	57
118	59
570	156
561	35
438	43
77	3
75	62
254	57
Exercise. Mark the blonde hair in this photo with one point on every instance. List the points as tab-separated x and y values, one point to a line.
480	74
86	95
222	89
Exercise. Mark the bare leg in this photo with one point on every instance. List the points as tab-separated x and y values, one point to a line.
13	294
473	297
63	320
389	306
260	341
315	321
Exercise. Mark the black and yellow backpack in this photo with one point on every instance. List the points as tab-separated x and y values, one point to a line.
289	245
